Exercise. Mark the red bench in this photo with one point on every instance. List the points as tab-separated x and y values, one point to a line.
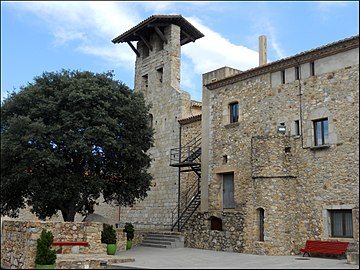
70	243
324	247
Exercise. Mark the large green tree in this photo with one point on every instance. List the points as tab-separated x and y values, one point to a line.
69	137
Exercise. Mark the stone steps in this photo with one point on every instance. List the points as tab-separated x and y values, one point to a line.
163	240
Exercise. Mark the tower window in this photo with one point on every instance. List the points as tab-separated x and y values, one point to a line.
145	81
297	128
261	215
160	74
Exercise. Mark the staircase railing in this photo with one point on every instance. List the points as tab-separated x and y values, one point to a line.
185	199
188	156
189	153
187	212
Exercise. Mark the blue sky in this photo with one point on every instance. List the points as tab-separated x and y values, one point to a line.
47	36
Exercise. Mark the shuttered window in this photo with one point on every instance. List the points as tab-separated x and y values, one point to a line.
228	191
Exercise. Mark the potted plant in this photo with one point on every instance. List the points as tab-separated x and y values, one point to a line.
129	229
45	256
108	236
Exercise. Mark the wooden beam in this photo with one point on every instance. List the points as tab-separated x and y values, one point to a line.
160	34
134	49
189	36
145	41
185	40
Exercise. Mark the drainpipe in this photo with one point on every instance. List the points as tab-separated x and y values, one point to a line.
179	178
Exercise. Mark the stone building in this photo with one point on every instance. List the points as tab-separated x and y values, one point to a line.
269	158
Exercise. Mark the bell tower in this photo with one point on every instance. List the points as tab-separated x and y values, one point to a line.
158	42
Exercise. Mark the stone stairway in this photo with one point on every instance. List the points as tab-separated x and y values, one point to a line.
163	240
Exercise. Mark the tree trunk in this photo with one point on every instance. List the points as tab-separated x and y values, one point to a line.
68	215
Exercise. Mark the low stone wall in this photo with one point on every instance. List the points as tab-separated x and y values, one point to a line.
18	239
198	233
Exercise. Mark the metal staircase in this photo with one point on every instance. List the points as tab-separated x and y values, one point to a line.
188	159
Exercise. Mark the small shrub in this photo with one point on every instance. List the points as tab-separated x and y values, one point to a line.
108	234
129	229
44	254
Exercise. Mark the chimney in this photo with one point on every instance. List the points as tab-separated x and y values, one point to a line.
262	51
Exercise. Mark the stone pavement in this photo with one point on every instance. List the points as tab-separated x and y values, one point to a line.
190	258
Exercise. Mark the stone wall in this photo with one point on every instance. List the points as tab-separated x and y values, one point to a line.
19	238
198	232
295	183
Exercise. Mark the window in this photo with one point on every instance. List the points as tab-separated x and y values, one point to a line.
160	74
225	159
144	81
283	76
234	112
151	120
297	73
312	68
261	215
341	223
297	128
228	191
321	132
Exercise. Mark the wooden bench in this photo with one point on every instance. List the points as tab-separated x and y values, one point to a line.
69	243
324	247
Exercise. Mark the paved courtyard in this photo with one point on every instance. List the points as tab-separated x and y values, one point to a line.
190	258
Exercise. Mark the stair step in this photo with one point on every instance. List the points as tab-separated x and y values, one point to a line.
163	240
153	245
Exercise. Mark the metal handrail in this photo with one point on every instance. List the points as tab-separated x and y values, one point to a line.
185	198
190	152
185	210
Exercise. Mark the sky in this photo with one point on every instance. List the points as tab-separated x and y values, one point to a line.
48	36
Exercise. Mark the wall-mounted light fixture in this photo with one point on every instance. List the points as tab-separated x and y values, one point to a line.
281	129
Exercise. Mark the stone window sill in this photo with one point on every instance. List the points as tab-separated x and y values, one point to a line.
232	125
320	147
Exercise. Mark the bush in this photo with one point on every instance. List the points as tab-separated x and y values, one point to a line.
129	229
44	254
108	234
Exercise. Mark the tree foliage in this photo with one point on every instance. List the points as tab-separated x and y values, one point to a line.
69	137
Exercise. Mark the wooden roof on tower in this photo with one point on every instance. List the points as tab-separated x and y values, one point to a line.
157	23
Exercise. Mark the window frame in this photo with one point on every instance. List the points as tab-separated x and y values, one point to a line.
297	73
312	68
345	233
297	128
324	140
234	118
282	72
261	216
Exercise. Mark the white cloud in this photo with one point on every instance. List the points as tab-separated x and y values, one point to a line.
213	51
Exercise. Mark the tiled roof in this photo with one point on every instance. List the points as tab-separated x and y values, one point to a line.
306	56
196	103
190	119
